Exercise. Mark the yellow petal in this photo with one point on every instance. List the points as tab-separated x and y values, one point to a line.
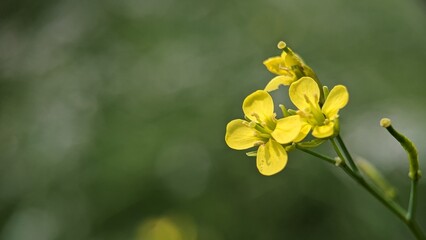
287	129
336	100
324	131
239	136
303	88
275	83
259	104
304	130
292	60
276	65
271	158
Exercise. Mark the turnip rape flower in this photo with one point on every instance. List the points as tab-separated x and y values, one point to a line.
263	129
289	67
305	93
317	112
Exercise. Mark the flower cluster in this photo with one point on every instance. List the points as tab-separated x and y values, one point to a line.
317	112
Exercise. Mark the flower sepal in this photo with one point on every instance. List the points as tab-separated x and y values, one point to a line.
290	147
312	143
251	154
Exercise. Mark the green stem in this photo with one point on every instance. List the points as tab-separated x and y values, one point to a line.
390	204
337	150
318	155
411	150
413	200
416	230
347	154
387	202
408	217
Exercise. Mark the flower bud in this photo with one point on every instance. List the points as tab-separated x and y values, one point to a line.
408	146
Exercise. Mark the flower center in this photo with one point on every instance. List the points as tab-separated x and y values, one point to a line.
313	113
261	132
265	124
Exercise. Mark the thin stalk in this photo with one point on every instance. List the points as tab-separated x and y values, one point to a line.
347	154
318	155
412	201
387	202
416	230
337	150
406	216
390	204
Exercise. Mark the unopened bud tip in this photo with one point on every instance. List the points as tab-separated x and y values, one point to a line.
385	122
281	45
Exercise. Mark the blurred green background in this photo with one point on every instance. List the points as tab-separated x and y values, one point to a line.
113	115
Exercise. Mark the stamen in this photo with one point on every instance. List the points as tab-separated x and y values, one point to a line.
251	154
301	113
284	110
309	115
292	111
258	143
284	68
250	124
325	90
307	99
314	109
257	117
262	135
316	97
332	118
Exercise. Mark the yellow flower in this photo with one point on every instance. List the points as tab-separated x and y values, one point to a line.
264	130
305	93
289	67
281	66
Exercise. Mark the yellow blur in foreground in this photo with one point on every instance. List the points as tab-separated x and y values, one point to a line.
167	228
